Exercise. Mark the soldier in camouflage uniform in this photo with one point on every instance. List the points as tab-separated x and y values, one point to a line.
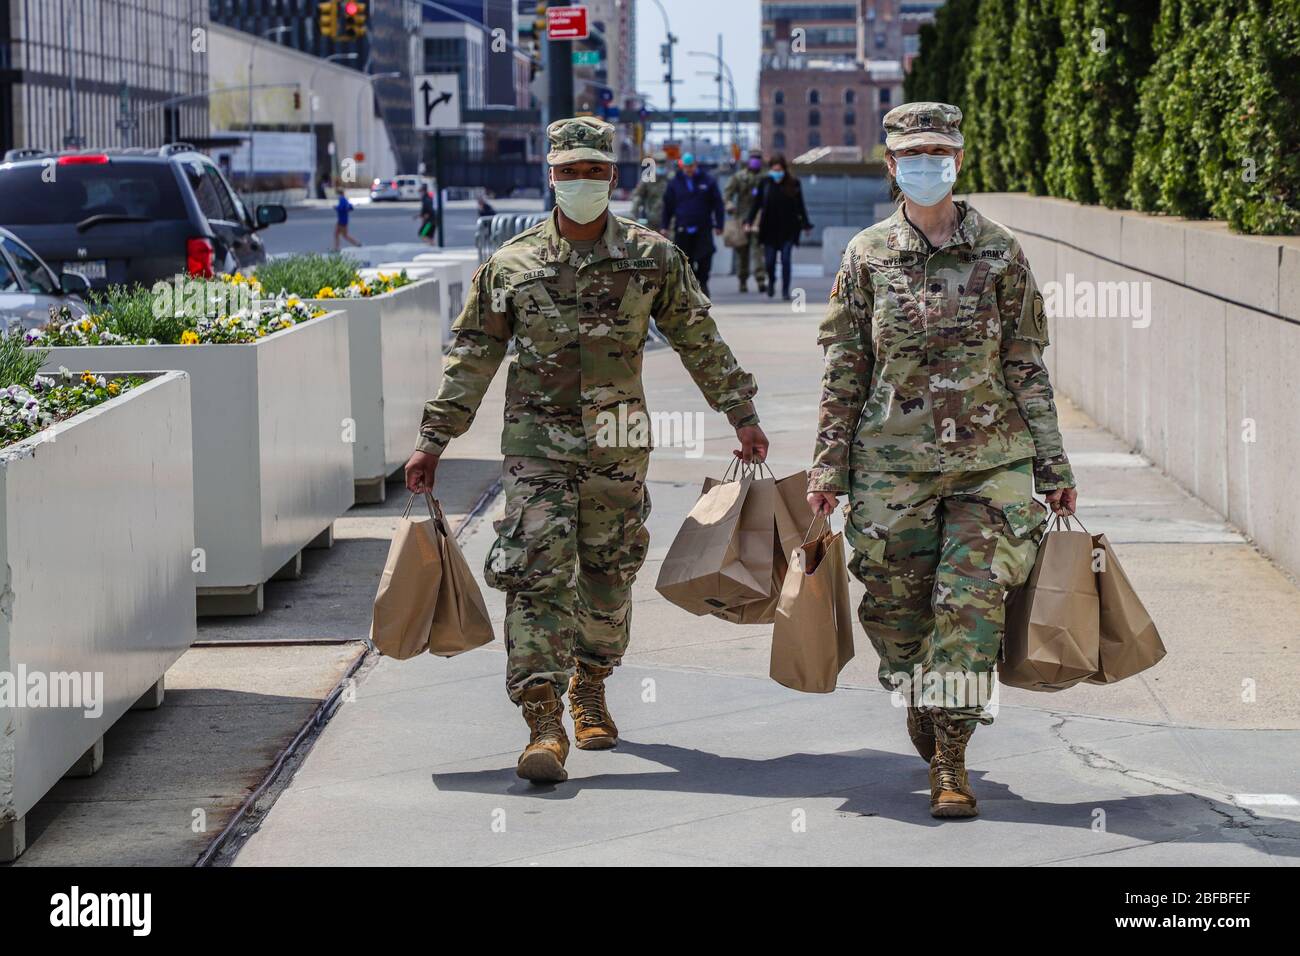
741	194
575	294
648	197
937	418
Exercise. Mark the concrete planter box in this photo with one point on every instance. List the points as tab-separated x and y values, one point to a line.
455	281
272	468
96	542
395	364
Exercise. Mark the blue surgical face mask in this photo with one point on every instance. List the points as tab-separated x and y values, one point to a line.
776	174
926	179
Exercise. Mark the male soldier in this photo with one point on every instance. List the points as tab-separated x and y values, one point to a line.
741	194
648	197
937	418
576	294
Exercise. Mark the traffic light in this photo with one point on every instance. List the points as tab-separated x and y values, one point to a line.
539	22
354	19
327	17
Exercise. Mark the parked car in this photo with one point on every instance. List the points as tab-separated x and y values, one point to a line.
130	215
29	288
399	187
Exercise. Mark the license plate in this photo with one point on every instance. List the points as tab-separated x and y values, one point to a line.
92	269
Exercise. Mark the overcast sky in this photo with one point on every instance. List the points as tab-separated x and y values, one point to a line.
697	24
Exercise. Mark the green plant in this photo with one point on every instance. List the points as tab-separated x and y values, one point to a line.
133	311
17	365
306	275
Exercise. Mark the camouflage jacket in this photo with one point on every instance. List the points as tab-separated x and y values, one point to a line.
648	201
934	360
579	324
742	192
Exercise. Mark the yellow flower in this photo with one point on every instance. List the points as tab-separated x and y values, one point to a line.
261	333
114	388
88	378
325	293
292	301
189	337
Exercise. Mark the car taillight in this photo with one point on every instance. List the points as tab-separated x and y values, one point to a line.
198	257
83	159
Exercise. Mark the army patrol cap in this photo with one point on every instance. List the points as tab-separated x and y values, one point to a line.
580	138
923	124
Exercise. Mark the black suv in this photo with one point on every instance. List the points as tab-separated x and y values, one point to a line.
130	216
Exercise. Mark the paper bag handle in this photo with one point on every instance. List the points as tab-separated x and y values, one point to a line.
434	506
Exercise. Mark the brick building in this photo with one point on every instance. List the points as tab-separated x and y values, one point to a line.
831	70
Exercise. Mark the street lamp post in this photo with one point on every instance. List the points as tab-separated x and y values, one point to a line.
274	31
311	112
722	66
668	60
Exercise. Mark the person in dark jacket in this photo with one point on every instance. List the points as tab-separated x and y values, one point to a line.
694	201
781	216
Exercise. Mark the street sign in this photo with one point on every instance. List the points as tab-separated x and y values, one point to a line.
586	58
437	100
566	23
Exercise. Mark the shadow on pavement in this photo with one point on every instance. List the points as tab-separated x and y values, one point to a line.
895	786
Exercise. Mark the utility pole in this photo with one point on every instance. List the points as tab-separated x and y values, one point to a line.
666	55
558	60
559	72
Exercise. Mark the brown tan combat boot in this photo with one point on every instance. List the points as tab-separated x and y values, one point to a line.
950	792
593	727
548	745
921	729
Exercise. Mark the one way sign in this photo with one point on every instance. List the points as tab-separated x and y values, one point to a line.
437	101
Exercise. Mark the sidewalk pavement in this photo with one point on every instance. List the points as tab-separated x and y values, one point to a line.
1193	762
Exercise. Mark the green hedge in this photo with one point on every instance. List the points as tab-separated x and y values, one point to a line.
1184	107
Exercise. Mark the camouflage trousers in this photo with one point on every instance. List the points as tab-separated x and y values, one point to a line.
938	554
567	550
751	253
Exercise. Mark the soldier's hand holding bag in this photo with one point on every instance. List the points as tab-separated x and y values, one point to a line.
813	636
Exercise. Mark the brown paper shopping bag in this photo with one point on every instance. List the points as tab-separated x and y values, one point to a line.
792	517
722	555
1130	642
813	636
1052	623
427	599
408	588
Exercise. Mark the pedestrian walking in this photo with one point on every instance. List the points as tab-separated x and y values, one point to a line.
428	215
741	195
937	420
342	209
776	219
575	295
648	197
693	206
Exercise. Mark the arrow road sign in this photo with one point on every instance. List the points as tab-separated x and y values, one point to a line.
437	101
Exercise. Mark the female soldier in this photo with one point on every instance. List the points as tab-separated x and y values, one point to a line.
937	418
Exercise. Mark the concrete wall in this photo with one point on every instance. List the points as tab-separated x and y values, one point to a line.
1215	368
